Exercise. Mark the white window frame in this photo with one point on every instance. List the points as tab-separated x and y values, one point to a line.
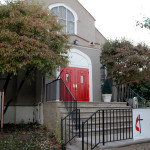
73	12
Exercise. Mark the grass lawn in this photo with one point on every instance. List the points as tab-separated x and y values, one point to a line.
27	137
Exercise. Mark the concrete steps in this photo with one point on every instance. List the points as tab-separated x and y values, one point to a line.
101	104
107	131
129	144
87	109
95	140
107	126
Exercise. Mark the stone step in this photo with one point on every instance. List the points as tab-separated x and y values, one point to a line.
107	130
102	104
87	109
108	136
108	124
84	115
106	118
72	147
94	109
87	141
87	114
105	104
84	118
99	107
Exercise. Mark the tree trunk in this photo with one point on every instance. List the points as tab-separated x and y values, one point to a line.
19	88
7	82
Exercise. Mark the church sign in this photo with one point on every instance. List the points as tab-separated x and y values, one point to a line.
141	124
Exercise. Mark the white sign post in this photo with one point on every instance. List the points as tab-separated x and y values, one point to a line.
141	124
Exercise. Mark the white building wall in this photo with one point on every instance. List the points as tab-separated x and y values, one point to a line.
24	114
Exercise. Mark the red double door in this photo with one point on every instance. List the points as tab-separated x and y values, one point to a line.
77	80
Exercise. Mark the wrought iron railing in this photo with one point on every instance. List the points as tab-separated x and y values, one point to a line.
125	94
70	127
66	96
106	126
57	90
53	90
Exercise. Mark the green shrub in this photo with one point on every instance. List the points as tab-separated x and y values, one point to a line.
106	87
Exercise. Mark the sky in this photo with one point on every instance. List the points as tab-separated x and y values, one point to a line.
116	19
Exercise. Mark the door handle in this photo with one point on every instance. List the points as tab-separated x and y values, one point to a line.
76	86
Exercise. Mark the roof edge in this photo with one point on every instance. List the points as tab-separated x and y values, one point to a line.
100	33
86	10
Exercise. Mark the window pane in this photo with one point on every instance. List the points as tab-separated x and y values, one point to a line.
70	27
67	77
82	79
62	12
70	16
63	22
54	10
66	18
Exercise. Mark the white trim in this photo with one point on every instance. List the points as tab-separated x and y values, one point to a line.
88	65
74	13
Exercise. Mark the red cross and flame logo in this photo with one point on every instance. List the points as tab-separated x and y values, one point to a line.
138	123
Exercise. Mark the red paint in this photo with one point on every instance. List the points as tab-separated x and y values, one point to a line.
78	82
136	127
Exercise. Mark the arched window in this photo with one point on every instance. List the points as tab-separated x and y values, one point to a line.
66	17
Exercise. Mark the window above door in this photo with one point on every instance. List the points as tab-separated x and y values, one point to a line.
66	16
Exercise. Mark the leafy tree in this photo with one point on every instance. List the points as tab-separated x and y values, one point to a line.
125	62
145	23
30	39
143	89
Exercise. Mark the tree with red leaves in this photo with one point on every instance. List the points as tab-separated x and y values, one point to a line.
125	62
30	39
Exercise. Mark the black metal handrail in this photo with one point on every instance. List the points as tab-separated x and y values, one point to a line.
126	94
57	89
67	98
106	126
70	127
52	90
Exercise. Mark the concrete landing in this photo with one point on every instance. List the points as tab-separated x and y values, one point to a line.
130	144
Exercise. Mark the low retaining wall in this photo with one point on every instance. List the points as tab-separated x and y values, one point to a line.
24	114
52	114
